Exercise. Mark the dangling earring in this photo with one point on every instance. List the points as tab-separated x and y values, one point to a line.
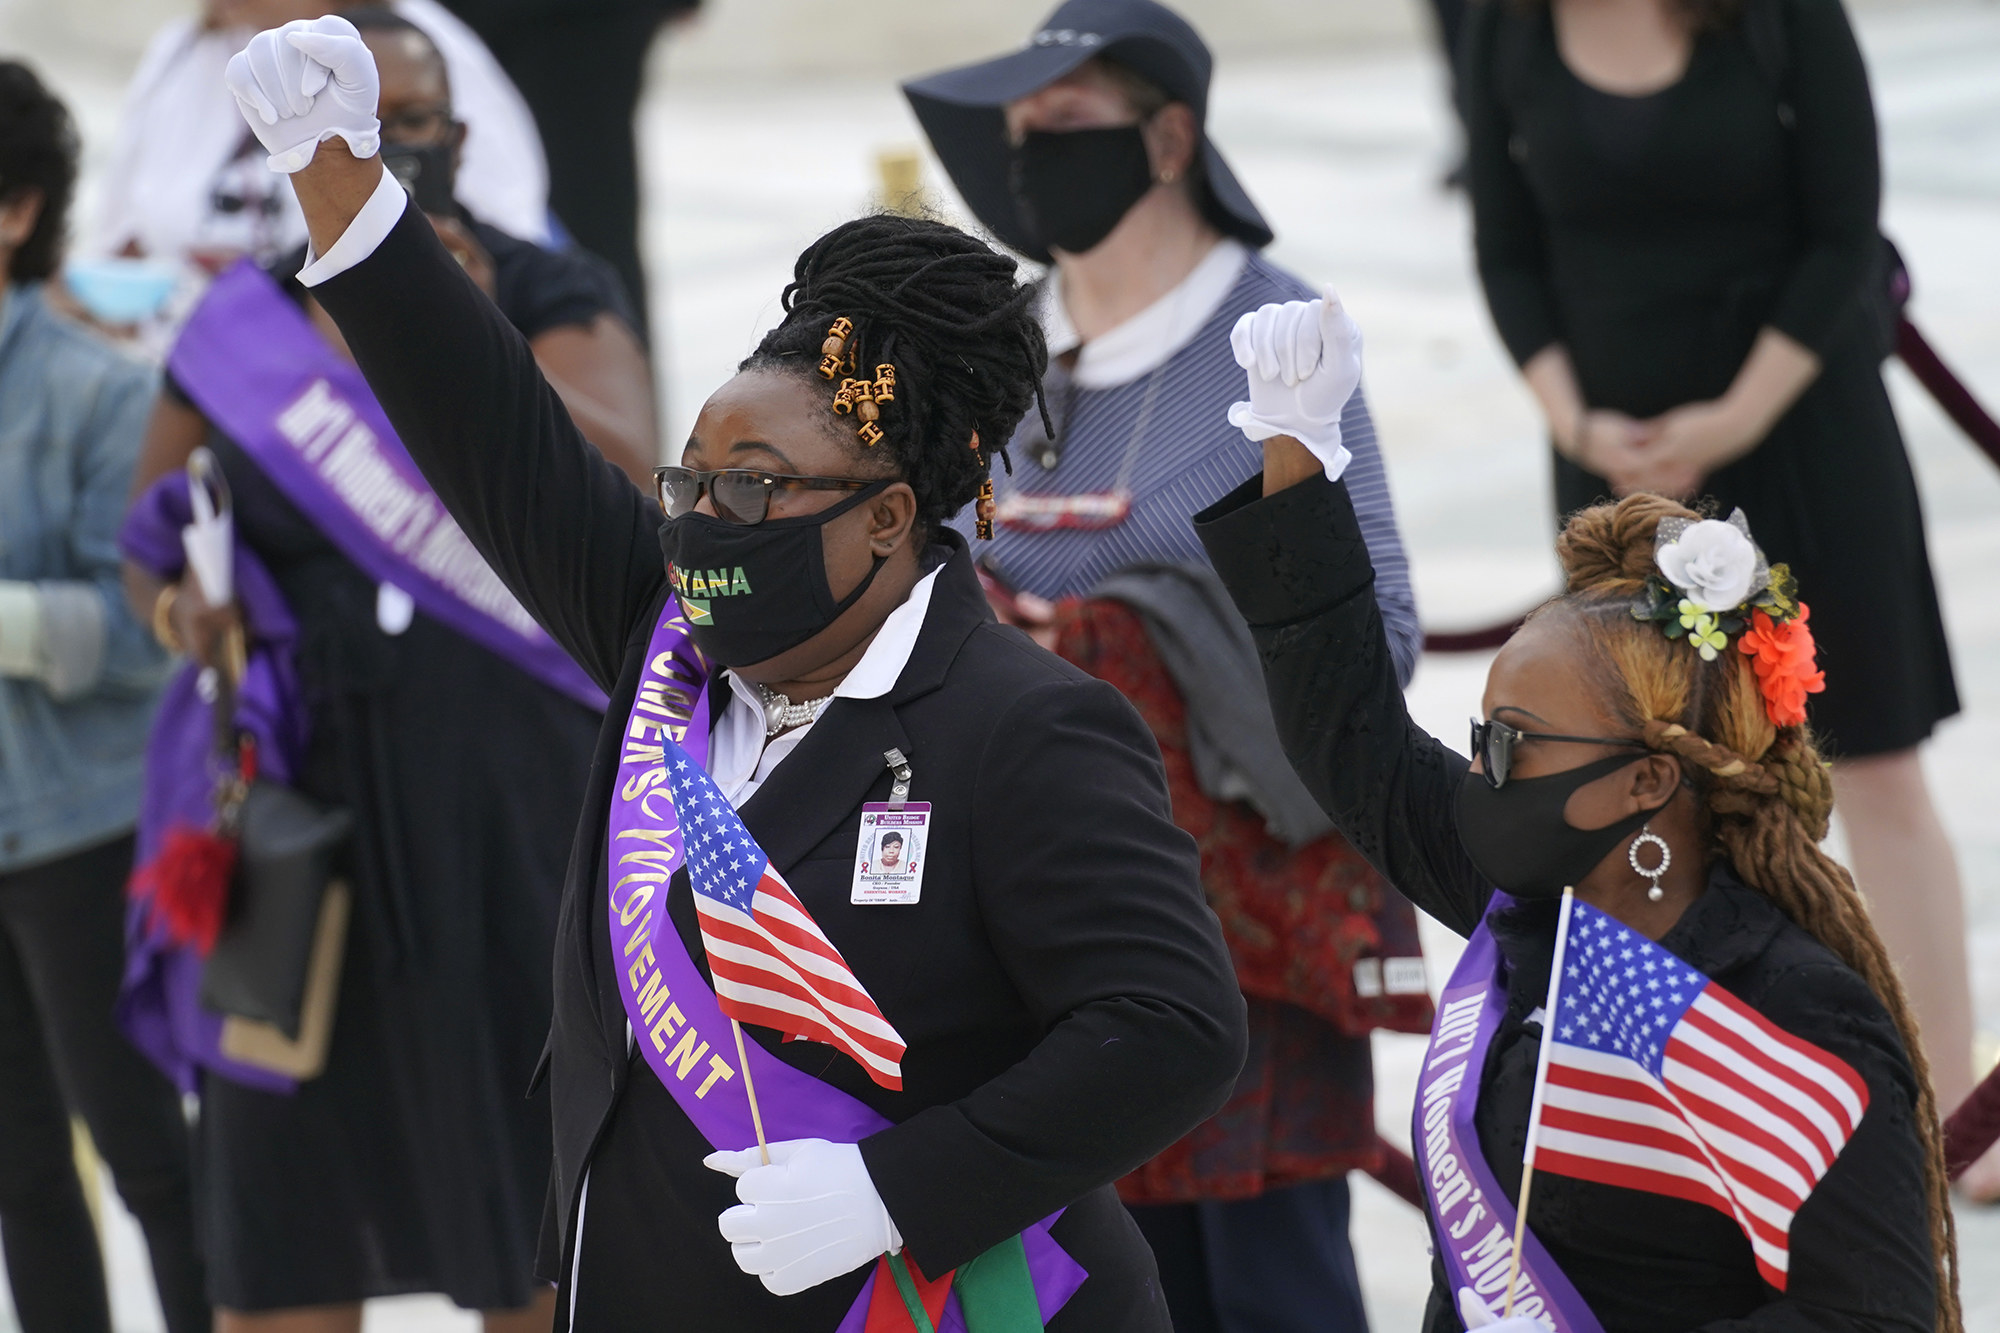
1646	835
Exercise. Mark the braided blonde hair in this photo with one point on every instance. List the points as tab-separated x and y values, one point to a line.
1767	794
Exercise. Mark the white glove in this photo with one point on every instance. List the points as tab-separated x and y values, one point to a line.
1474	1313
810	1216
1304	359
301	84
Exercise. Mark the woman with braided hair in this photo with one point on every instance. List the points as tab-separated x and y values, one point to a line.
1642	744
1033	1002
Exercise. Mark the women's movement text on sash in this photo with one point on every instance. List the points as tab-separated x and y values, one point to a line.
678	1024
1472	1216
257	368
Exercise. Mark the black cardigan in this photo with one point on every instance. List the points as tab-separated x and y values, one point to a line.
1068	1002
1645	1263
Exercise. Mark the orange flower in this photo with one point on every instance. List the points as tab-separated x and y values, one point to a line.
1782	652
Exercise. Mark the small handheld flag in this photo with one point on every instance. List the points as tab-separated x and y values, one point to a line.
1655	1078
771	963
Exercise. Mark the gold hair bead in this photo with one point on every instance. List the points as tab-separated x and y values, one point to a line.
870	433
850	393
885	383
984	510
837	334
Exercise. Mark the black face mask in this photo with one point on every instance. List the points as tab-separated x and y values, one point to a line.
1073	186
428	171
750	593
1518	838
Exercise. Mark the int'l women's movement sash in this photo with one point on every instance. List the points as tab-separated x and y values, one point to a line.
678	1024
1473	1218
254	364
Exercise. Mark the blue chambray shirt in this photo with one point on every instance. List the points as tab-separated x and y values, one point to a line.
72	412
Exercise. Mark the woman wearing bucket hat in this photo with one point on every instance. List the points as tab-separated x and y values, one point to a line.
1087	150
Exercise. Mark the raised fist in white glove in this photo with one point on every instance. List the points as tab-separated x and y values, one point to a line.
1304	360
301	84
1474	1313
808	1217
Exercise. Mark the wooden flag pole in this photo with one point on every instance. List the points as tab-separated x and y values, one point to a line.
1535	1102
756	1116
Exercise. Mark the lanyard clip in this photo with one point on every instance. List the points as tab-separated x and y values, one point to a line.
899	769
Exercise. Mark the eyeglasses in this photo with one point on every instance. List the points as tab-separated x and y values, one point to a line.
741	495
417	124
1493	744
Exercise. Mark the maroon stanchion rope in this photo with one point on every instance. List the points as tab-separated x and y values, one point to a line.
1472	640
1973	1127
1398	1174
1948	391
1945	388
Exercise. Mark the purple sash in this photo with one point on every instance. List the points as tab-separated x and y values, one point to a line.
254	364
159	1001
1473	1217
677	1023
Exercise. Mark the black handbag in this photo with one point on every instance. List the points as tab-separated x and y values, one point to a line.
287	854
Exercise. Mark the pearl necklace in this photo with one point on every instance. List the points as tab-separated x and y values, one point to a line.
781	714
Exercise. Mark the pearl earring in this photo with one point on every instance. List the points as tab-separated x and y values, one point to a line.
1646	835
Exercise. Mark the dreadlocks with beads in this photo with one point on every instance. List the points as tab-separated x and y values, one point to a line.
947	312
1764	791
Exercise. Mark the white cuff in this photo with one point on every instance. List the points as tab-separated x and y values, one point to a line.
74	636
20	629
371	226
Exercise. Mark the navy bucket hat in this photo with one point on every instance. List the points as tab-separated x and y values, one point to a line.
962	109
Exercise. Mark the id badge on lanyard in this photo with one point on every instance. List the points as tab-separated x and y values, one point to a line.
889	859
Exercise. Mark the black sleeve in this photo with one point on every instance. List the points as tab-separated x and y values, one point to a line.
1092	901
1506	222
1298	568
1837	175
1872	1201
567	532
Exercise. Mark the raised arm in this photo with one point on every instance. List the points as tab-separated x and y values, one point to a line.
565	530
1291	551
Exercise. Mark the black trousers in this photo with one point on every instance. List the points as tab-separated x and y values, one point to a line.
62	951
1278	1263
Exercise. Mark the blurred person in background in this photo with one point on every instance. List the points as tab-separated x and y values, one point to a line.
78	680
186	182
1086	150
1676	211
581	65
412	1163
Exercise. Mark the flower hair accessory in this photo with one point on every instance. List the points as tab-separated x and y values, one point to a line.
1713	585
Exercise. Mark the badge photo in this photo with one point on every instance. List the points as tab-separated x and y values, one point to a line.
889	857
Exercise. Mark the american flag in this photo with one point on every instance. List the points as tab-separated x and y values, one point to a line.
771	963
1660	1080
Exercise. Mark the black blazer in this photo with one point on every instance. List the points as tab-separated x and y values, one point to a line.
1068	1002
1644	1263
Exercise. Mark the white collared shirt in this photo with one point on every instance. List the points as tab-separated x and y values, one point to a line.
740	760
1143	343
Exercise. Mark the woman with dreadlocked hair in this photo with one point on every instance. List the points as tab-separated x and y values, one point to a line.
1721	1093
880	957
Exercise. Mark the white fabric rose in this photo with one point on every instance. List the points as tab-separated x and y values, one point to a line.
1713	562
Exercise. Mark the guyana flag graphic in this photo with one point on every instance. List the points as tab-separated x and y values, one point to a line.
995	1294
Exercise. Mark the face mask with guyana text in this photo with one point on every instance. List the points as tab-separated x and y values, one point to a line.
751	593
